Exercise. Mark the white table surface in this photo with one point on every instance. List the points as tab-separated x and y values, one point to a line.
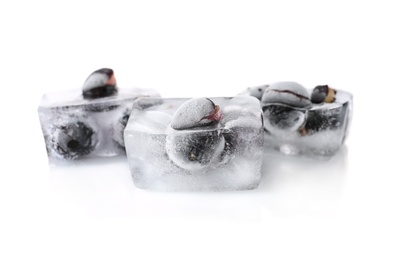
341	209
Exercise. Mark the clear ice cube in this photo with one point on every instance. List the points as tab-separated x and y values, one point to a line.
300	121
222	151
75	127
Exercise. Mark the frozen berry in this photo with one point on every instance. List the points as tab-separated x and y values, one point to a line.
73	140
195	150
323	93
286	93
283	119
194	142
326	119
101	83
196	112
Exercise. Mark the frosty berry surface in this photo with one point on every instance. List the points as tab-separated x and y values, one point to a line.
172	146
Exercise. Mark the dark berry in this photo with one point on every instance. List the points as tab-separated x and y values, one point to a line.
73	140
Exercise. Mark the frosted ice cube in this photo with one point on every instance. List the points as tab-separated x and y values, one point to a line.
312	122
89	122
216	147
75	128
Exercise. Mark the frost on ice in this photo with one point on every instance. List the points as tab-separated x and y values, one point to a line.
90	122
312	122
195	144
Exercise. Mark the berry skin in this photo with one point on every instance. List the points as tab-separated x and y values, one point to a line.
323	93
194	142
73	140
286	93
101	83
194	151
196	112
283	119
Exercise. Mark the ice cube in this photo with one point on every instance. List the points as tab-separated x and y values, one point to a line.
89	123
172	146
312	122
282	119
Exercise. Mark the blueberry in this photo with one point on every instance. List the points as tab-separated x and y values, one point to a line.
101	83
323	93
327	119
200	148
73	140
282	118
195	150
286	93
196	112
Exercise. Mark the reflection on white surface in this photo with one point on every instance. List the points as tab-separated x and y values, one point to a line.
232	206
290	186
95	187
293	185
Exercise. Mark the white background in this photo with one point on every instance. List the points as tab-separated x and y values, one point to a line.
342	209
